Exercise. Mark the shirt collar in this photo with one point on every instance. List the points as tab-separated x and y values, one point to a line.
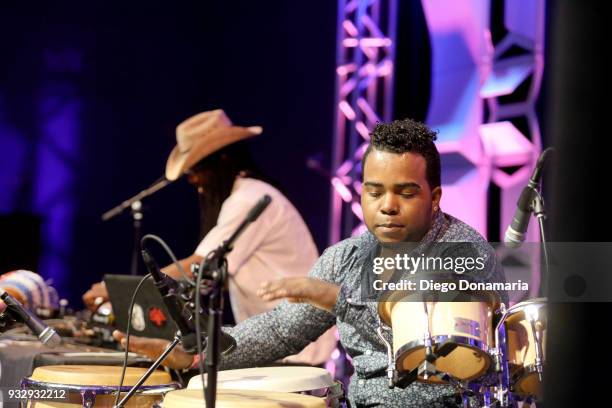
438	226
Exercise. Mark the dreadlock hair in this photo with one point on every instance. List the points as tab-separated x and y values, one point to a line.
407	135
223	166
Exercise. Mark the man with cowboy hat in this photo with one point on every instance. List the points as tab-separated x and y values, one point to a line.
211	151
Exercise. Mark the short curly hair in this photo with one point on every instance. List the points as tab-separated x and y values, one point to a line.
407	135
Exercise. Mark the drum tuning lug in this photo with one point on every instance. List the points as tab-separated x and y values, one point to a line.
497	359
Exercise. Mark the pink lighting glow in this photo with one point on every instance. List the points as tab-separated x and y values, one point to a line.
342	190
350	28
363	130
346	69
344	168
367	42
505	145
347	110
367	110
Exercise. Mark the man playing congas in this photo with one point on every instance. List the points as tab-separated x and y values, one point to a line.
401	203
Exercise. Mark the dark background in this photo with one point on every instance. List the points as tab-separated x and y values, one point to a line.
144	67
139	68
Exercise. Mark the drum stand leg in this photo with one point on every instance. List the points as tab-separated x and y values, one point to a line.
391	372
150	371
502	388
538	349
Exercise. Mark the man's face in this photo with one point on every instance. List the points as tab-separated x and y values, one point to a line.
199	179
398	204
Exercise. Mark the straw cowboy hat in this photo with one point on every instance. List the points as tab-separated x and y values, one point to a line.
201	135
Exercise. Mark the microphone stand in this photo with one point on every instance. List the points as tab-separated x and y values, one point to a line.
214	266
540	213
135	205
218	266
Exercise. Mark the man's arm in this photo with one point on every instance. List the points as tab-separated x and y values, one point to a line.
288	328
260	340
276	334
317	292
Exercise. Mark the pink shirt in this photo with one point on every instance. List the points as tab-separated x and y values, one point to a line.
277	245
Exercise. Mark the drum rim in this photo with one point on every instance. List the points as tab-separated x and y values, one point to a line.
325	383
265	394
99	389
331	393
524	372
315	392
473	344
493	303
518	308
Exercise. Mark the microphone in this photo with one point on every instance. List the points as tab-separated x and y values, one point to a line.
16	311
515	233
251	217
169	288
261	205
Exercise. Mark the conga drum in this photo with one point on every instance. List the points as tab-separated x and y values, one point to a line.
92	386
312	381
465	324
193	398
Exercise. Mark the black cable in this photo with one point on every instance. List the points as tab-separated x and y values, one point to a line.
127	336
169	252
197	284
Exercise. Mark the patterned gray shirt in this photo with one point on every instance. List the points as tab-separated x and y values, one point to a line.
289	327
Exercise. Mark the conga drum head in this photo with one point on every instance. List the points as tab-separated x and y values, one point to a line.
283	379
96	375
193	398
95	385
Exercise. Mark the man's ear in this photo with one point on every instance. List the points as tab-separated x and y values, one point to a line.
436	195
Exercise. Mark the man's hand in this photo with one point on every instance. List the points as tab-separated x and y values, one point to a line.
95	296
153	348
316	292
